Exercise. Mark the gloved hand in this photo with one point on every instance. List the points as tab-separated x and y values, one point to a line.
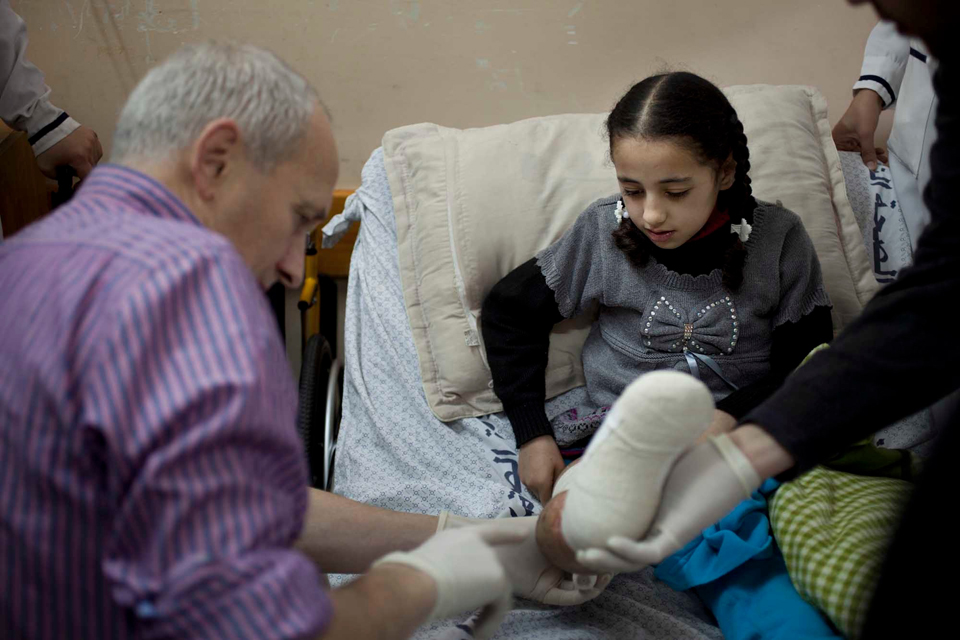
704	485
467	572
530	573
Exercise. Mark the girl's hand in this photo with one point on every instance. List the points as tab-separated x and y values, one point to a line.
540	464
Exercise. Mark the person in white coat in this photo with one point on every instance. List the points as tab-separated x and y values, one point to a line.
897	71
56	138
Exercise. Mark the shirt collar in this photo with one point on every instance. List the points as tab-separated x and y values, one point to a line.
137	190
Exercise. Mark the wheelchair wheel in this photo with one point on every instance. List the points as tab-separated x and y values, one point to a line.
314	383
331	421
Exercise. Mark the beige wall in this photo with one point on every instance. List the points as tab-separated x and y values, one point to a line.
384	63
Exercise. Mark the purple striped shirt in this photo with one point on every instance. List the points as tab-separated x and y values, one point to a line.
151	478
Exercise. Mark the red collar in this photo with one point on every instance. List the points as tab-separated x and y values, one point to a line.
716	220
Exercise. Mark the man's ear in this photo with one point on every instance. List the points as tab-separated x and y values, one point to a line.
728	173
216	152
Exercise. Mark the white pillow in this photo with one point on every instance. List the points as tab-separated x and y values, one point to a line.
471	205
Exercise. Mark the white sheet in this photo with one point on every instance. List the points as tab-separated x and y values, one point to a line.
394	453
873	197
876	206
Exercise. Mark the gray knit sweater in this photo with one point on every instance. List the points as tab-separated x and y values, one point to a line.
652	318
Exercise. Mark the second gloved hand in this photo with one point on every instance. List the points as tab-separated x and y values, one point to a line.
704	485
532	576
464	565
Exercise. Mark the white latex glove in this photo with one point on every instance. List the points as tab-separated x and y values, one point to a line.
530	573
705	484
467	572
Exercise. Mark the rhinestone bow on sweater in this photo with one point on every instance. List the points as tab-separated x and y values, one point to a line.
714	330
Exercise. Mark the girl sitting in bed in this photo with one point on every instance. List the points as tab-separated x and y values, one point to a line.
689	272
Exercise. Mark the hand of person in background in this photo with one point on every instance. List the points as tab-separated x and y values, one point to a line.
704	485
857	127
80	150
540	464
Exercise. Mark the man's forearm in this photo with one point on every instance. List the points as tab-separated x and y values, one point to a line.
388	603
345	536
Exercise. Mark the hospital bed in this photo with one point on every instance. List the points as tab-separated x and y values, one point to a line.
415	436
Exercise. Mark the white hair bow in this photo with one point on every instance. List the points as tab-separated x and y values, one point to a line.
620	213
742	229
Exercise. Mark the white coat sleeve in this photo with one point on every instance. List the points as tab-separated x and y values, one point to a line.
884	62
24	97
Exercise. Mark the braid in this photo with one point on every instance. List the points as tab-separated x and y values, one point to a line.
739	201
632	242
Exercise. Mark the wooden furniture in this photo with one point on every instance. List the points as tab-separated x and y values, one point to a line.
24	191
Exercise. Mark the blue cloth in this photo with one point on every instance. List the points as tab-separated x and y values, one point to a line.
739	573
757	601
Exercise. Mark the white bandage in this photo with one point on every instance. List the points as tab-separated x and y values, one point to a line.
563	482
738	463
615	490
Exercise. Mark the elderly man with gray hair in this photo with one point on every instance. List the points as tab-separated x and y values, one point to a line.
152	484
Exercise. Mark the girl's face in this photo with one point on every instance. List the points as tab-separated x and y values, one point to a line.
667	191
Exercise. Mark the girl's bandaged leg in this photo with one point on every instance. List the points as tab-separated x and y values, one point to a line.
615	490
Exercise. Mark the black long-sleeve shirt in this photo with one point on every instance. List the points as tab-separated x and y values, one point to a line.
900	354
521	310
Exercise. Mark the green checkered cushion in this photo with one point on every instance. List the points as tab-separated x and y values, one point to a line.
833	529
